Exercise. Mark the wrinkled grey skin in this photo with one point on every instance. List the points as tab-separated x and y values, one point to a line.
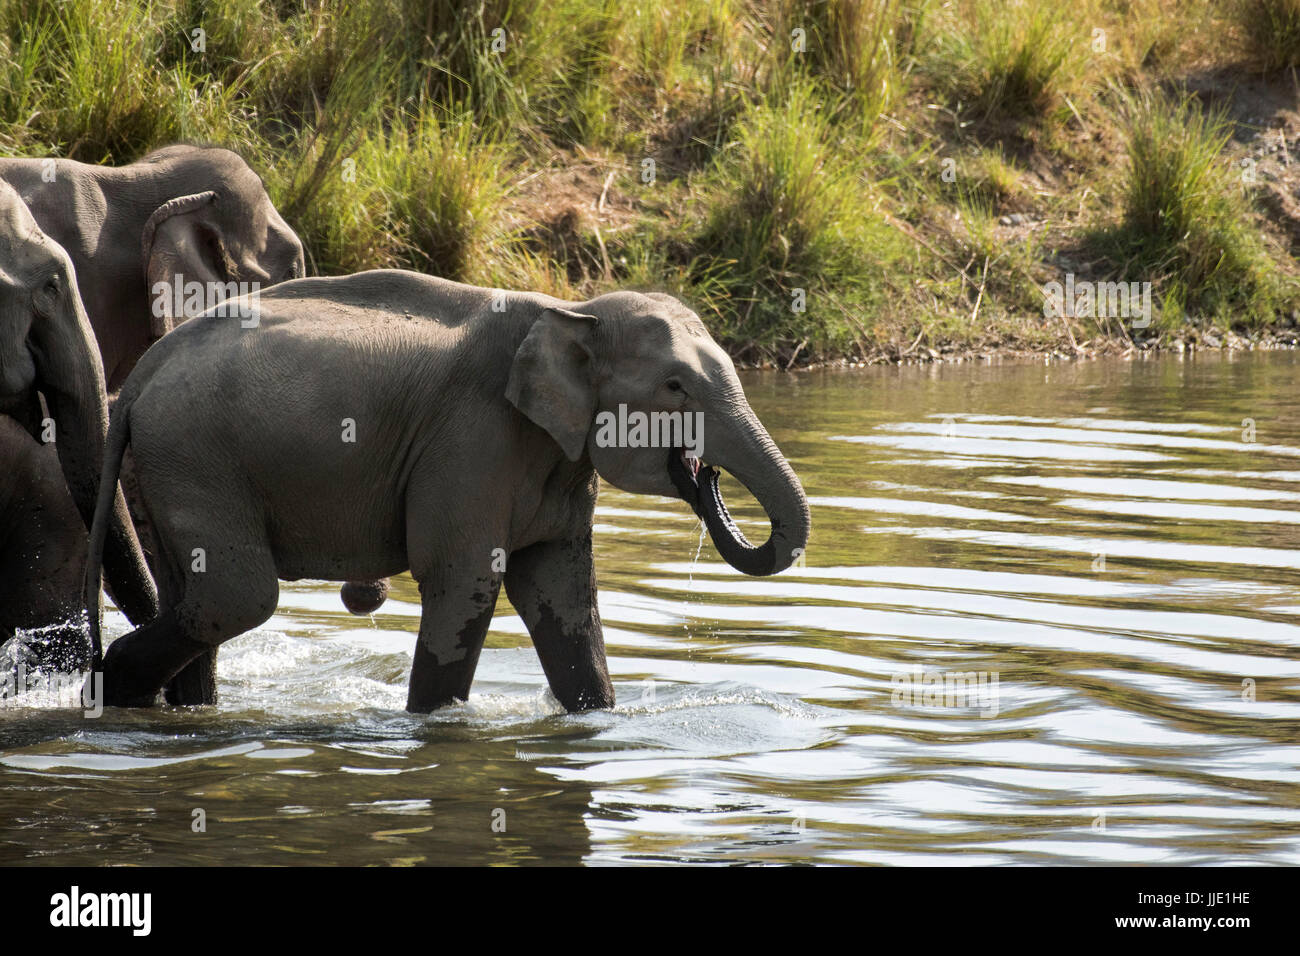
198	212
48	352
475	439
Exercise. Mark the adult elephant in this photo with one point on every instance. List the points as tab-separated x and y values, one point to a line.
187	214
430	431
47	351
196	212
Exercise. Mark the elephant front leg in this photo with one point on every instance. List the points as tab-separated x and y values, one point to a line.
453	625
553	587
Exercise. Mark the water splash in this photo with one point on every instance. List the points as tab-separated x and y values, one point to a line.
63	646
43	666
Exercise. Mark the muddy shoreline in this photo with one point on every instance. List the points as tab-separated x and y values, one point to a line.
1181	342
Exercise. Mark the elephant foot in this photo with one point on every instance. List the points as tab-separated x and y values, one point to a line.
116	692
581	701
364	597
428	706
196	684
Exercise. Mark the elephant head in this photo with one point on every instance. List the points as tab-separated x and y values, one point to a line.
636	383
47	346
224	234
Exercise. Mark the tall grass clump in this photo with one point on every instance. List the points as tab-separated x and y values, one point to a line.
21	93
239	36
420	191
786	210
1272	28
1009	60
101	98
676	71
847	45
457	60
1186	224
593	73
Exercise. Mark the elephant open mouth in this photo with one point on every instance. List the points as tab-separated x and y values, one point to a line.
697	484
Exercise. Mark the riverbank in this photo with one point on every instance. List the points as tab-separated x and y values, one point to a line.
823	180
1185	341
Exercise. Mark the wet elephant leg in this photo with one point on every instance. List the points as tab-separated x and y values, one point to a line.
137	665
454	621
42	554
235	592
552	585
196	683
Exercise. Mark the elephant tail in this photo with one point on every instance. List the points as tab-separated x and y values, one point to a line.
119	434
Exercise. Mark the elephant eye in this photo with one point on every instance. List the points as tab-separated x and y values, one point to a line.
673	385
51	288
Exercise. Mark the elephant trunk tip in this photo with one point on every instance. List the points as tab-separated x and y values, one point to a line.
784	502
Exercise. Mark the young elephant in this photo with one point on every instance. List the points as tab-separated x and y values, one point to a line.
388	420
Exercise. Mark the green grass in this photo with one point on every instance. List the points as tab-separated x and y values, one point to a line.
1273	30
419	191
1186	224
786	217
1011	61
850	46
431	134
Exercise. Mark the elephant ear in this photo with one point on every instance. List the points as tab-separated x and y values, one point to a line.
551	380
181	239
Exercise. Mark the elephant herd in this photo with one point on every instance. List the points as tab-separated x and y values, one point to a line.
346	428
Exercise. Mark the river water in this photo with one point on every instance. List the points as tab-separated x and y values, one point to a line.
1049	614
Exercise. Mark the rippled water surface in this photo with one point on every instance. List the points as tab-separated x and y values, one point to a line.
1110	549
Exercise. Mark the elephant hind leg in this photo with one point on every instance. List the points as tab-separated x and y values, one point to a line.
178	649
138	664
196	683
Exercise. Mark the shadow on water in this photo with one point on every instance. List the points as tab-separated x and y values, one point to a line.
1048	614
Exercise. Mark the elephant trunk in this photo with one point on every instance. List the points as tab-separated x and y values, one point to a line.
744	448
71	376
